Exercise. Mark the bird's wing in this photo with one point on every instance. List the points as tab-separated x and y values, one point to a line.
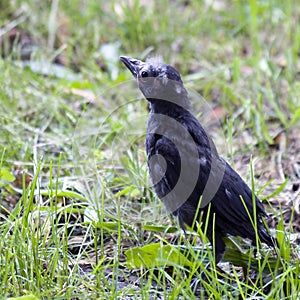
229	188
173	167
163	163
233	204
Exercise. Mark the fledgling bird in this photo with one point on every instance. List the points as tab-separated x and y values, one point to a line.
188	175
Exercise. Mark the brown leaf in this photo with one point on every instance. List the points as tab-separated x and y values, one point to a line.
18	173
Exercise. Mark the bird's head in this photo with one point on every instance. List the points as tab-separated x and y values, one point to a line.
157	81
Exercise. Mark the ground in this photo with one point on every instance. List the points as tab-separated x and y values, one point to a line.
78	218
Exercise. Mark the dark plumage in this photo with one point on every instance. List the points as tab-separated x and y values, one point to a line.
188	175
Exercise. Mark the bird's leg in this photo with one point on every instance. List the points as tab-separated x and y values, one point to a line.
219	252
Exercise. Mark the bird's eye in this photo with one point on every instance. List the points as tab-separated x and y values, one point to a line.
144	74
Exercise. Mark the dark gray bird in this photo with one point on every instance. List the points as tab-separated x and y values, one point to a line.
188	175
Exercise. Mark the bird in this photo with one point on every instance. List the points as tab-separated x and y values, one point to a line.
193	181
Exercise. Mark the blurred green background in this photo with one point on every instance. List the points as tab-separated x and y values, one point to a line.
74	192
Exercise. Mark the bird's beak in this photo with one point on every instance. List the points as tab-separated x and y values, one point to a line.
132	64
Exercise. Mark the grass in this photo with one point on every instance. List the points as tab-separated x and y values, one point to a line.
74	192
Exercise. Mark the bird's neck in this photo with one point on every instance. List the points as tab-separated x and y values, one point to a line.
176	105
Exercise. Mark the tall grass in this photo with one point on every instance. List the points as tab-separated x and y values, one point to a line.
74	193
